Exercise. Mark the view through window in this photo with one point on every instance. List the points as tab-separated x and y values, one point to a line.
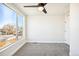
20	26
8	26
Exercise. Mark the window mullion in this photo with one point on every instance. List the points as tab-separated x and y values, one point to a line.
17	27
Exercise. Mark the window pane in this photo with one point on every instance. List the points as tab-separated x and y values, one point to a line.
20	26
7	26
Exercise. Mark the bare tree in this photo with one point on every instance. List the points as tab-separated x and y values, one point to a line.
9	29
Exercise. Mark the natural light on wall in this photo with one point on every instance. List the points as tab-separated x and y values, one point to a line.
9	20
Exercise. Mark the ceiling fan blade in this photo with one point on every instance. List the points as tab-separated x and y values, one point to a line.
31	6
44	10
42	4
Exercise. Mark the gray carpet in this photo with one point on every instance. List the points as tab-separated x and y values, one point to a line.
43	49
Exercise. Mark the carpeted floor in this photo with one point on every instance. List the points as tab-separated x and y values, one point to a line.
43	49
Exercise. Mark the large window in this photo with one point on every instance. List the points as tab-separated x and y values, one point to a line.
11	26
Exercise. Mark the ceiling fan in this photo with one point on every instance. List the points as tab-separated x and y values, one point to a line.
40	7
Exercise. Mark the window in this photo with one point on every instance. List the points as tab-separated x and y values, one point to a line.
10	26
20	26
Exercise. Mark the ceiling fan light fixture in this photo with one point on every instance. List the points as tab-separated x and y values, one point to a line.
40	8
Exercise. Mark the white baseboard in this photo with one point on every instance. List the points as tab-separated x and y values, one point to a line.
67	42
45	42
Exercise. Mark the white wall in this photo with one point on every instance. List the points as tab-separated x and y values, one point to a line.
67	29
45	28
67	25
74	29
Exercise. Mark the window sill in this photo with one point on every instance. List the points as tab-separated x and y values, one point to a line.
8	45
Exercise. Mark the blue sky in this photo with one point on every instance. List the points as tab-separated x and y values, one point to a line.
8	16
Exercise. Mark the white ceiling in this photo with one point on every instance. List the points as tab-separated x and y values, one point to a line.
52	8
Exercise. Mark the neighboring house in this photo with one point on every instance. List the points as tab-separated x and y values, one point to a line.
2	31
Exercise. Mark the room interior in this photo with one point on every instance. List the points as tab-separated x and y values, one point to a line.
54	33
